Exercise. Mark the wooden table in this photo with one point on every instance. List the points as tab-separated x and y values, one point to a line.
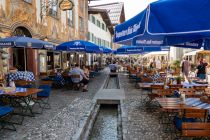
186	85
173	104
23	99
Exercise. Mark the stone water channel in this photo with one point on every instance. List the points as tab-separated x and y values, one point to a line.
108	121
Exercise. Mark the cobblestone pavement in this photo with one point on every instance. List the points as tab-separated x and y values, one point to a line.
61	122
69	108
138	122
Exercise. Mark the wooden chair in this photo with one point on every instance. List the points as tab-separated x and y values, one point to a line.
192	115
146	79
207	91
196	129
154	91
175	87
189	92
160	80
24	83
43	74
164	92
200	88
201	114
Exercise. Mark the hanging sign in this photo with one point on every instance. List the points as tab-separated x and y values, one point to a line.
66	5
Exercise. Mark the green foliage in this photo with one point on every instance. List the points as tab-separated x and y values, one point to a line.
176	64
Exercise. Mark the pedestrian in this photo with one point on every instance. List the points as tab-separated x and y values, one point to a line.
158	64
185	68
201	69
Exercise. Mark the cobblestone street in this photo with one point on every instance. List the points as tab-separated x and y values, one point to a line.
69	108
138	122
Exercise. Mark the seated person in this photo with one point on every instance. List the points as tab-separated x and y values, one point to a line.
113	67
86	70
82	78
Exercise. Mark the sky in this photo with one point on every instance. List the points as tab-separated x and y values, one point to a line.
132	7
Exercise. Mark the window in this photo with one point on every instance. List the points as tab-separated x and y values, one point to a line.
99	42
28	1
89	36
70	17
98	23
102	26
92	37
81	24
53	8
93	20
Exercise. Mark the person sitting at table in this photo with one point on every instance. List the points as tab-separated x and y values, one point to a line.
82	78
86	70
113	67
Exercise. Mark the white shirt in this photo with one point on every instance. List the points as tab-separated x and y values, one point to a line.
77	71
158	64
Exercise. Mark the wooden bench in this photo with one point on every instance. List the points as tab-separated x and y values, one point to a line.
196	129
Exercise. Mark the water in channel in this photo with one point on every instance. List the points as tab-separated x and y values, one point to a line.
112	83
105	126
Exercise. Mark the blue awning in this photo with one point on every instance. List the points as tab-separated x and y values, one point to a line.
106	50
79	46
168	22
25	42
139	50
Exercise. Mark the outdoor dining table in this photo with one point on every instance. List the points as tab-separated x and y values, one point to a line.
23	97
21	75
185	85
176	104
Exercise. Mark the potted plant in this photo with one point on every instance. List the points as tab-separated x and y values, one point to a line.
176	66
179	79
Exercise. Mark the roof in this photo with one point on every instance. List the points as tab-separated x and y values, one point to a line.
115	10
192	52
105	16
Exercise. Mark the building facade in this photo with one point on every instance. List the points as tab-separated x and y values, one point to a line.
116	14
42	19
100	31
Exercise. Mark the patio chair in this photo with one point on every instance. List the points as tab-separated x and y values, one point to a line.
43	97
23	83
190	115
207	91
189	92
5	116
196	129
200	88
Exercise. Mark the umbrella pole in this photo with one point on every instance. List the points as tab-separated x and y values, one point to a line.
69	60
166	81
25	58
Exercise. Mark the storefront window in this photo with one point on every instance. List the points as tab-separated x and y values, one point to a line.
49	60
42	62
57	60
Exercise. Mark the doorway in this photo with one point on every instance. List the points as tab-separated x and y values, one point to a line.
18	58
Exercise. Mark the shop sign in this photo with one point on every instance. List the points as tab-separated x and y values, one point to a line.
66	5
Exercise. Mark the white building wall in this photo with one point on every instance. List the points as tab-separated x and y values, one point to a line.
97	31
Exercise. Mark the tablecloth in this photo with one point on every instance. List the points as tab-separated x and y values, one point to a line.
21	75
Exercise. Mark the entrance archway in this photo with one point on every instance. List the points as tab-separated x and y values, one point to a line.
19	53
